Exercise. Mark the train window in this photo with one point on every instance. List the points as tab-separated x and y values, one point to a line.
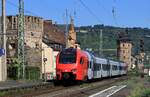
67	57
81	60
103	66
106	67
120	68
97	67
113	67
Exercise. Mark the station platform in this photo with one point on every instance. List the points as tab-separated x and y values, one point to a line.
12	85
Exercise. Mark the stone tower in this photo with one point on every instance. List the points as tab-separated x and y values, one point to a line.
124	49
71	41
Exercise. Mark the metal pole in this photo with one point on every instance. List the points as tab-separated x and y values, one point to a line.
66	34
21	41
4	65
101	42
44	72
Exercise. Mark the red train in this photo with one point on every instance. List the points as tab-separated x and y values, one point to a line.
71	64
78	65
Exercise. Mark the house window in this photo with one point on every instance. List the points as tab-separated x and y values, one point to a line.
36	45
32	34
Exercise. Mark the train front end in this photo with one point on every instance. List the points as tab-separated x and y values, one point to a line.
66	65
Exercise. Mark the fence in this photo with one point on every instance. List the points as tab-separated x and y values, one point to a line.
32	73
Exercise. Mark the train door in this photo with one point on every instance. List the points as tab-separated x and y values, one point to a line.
119	68
90	67
81	67
110	63
90	70
108	68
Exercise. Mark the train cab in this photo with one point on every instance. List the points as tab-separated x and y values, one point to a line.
71	64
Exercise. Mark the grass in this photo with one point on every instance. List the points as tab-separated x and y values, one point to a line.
137	91
4	93
136	84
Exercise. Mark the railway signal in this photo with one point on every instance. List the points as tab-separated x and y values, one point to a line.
141	45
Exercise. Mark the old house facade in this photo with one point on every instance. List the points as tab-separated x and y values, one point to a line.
124	50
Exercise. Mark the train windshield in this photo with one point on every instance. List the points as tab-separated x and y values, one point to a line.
67	57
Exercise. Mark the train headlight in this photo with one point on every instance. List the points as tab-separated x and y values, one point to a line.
74	70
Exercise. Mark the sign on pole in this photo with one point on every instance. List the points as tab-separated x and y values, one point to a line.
2	52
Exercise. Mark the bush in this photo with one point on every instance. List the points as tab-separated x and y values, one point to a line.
32	73
133	72
12	73
145	93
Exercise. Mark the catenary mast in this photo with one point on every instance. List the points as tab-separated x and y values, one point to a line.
21	41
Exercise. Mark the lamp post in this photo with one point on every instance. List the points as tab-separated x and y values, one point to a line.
44	59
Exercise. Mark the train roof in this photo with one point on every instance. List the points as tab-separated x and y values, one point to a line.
114	62
100	60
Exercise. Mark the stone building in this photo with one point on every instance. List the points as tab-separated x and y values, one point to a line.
33	30
36	32
124	50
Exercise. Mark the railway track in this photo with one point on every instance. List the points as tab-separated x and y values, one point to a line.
49	90
83	90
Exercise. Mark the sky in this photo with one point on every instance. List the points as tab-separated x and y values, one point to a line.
122	13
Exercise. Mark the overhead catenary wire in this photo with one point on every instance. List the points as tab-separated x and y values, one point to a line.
16	6
96	17
106	10
112	12
90	11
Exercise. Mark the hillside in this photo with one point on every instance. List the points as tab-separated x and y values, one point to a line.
89	37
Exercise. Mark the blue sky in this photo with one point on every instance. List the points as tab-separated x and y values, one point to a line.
128	13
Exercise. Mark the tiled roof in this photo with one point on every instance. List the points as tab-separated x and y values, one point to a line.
53	33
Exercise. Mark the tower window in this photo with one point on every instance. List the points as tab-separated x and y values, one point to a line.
123	45
124	57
